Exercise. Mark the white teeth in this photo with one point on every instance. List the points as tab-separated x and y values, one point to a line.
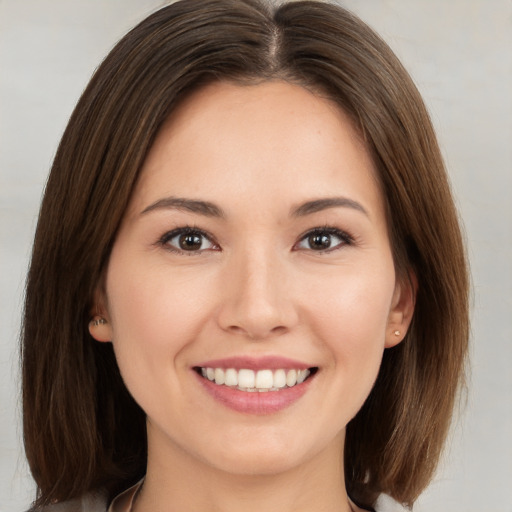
251	381
291	378
301	377
279	379
246	378
231	377
264	379
219	376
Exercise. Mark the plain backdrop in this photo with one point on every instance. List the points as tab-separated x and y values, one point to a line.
459	52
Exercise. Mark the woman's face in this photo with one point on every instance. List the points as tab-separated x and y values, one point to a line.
254	252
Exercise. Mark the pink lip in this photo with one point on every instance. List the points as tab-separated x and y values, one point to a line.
268	402
255	363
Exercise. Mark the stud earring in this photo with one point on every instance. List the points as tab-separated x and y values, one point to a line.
397	333
98	320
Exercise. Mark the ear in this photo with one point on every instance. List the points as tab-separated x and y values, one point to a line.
402	309
100	327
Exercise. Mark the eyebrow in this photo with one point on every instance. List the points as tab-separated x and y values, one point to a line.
318	205
209	209
191	205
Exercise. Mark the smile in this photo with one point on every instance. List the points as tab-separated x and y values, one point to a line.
263	380
256	385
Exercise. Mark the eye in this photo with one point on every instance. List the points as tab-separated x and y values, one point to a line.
187	240
324	239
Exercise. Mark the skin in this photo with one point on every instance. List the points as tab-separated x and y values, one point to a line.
256	286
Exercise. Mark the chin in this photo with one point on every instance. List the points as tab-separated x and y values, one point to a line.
257	464
267	455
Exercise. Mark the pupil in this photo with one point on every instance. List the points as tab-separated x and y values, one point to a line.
320	241
190	242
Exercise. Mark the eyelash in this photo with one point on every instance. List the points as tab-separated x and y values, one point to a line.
185	230
346	239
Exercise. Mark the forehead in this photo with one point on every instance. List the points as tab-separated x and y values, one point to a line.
244	139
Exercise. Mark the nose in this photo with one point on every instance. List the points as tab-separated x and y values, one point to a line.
256	297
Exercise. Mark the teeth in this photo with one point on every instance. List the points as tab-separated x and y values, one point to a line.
231	377
302	375
251	381
246	379
264	379
219	376
291	378
279	379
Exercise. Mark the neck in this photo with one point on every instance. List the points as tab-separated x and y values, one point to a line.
176	481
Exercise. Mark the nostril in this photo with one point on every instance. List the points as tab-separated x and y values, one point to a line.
235	329
259	332
279	329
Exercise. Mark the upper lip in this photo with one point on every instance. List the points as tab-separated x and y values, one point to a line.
255	363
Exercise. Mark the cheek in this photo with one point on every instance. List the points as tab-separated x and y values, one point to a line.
353	308
349	314
154	315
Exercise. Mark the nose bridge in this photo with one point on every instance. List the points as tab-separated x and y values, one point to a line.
257	301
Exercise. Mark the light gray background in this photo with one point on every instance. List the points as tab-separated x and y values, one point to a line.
460	55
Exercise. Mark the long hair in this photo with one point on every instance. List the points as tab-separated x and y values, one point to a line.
82	429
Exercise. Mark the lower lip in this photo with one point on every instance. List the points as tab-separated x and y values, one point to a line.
267	402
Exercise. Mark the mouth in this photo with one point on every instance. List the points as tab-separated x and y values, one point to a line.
256	381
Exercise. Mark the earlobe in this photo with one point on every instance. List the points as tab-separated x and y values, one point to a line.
99	329
402	310
99	325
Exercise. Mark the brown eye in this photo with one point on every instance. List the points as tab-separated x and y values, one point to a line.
190	242
187	240
324	239
319	242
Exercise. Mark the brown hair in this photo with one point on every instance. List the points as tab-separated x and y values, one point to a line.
83	431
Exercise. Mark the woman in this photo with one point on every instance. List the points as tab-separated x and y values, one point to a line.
248	285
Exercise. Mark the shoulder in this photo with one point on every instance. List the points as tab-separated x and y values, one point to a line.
88	503
98	503
385	503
